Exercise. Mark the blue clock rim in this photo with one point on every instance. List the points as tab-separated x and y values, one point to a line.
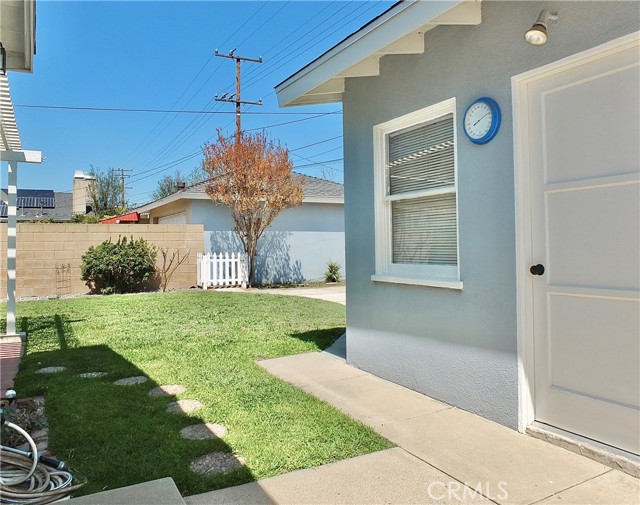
496	119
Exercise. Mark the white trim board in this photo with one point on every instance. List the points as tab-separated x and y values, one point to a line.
519	84
399	30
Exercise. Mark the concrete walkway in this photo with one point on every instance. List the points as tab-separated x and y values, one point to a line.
335	294
444	455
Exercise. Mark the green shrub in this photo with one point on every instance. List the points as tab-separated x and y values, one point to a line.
118	267
84	218
333	272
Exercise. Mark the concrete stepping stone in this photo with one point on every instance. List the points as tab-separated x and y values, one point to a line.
216	463
92	375
184	406
130	381
52	369
203	431
168	390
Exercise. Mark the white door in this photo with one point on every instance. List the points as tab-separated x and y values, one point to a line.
179	218
584	159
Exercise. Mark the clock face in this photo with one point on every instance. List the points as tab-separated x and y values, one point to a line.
482	120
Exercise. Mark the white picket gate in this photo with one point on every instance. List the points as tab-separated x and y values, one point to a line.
222	270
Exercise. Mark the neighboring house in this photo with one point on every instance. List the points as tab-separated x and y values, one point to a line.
39	204
49	205
503	277
295	248
128	218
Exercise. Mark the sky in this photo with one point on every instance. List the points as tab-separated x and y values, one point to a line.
160	56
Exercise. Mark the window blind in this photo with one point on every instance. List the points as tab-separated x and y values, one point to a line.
424	230
422	158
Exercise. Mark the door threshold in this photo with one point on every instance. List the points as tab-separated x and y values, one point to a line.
605	454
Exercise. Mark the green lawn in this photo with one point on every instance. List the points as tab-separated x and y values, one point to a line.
206	341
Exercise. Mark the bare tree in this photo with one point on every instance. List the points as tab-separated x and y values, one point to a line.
170	263
254	177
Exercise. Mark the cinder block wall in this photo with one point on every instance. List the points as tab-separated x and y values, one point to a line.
43	247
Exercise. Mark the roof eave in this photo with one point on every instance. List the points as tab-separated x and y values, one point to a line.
17	32
322	199
400	30
204	196
174	197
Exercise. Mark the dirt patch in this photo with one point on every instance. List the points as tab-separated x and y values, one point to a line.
29	414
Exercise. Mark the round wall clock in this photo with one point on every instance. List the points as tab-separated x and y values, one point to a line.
482	120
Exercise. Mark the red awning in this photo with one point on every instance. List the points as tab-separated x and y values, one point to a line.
131	217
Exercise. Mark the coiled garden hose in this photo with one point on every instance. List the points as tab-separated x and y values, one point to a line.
28	478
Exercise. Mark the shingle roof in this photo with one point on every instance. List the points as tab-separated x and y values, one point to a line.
61	211
313	187
321	188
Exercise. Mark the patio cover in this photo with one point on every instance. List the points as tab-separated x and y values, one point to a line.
11	151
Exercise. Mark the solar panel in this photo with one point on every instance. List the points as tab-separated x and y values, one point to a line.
31	199
35	202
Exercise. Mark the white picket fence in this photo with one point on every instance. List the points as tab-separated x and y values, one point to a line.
222	270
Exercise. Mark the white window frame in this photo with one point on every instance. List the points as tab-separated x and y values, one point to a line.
442	276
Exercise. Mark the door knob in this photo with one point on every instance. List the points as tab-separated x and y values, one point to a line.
537	269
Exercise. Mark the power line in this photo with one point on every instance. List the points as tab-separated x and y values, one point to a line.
190	130
200	88
135	150
322	163
159	111
163	168
294	121
200	121
259	75
315	143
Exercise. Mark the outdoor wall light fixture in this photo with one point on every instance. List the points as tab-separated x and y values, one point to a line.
3	60
537	34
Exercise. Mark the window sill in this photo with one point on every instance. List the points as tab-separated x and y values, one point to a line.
457	285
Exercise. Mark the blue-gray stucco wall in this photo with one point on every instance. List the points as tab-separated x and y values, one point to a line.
456	346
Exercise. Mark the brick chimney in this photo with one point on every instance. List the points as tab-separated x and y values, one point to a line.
80	192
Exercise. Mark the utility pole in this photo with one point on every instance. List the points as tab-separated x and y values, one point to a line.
123	174
236	98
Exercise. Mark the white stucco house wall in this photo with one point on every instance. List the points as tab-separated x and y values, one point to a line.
493	245
295	248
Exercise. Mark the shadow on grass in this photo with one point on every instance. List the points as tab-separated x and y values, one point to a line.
322	338
115	435
54	332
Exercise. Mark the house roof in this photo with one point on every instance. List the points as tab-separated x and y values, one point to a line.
34	204
129	217
398	30
315	191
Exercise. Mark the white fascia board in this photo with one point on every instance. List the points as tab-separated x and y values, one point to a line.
29	34
203	196
407	17
318	199
182	195
21	156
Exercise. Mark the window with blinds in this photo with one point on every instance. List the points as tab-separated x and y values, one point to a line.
421	193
